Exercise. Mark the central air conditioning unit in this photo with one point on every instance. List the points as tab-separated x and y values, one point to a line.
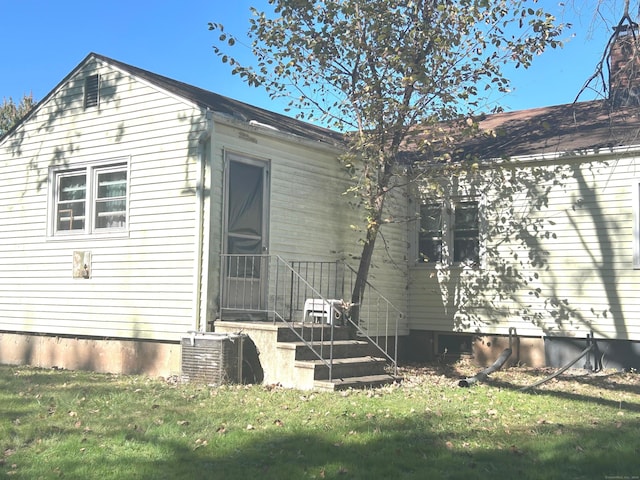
212	358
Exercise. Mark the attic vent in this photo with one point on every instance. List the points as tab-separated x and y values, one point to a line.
91	91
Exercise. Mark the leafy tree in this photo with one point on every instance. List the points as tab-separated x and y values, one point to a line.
10	113
385	70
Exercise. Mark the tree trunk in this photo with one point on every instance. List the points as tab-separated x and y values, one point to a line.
363	270
357	295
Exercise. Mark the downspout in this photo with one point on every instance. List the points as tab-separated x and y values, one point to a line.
201	174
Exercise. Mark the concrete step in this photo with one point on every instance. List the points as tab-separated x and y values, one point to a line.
341	349
368	381
344	367
312	331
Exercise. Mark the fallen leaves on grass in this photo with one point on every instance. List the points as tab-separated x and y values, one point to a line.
200	443
419	376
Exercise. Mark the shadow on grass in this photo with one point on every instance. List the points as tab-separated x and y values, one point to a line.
37	390
600	381
30	379
401	449
622	405
451	444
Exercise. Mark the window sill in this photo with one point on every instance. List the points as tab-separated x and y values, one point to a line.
440	266
64	237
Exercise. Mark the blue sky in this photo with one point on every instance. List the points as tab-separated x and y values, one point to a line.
41	41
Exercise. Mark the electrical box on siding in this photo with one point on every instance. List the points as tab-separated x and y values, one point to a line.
81	264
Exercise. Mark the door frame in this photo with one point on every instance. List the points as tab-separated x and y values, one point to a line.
229	157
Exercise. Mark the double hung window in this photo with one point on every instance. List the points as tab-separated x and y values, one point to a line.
466	232
449	232
430	238
90	199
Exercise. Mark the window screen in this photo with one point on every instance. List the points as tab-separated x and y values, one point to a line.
97	192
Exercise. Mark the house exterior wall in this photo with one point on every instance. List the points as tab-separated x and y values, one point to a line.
558	253
153	282
310	216
141	281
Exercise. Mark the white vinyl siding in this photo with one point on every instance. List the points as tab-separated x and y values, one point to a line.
635	199
310	216
570	261
141	283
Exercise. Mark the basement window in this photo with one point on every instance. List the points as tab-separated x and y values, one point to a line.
89	199
91	91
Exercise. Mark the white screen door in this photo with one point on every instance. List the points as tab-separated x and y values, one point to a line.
245	234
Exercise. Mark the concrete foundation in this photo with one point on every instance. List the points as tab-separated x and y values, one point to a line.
555	352
124	356
132	356
527	351
264	335
429	346
608	354
419	347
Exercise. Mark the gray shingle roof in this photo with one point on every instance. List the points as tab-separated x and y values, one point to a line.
228	106
569	128
240	111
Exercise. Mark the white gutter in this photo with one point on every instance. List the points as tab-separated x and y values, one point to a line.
569	154
201	263
253	126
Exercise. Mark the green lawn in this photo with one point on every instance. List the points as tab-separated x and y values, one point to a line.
62	424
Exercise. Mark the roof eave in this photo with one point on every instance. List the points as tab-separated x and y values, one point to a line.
252	126
622	150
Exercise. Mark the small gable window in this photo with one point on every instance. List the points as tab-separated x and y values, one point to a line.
90	199
91	91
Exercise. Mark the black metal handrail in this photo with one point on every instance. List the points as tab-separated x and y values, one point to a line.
270	287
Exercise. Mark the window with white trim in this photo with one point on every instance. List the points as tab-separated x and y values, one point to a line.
449	232
90	199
